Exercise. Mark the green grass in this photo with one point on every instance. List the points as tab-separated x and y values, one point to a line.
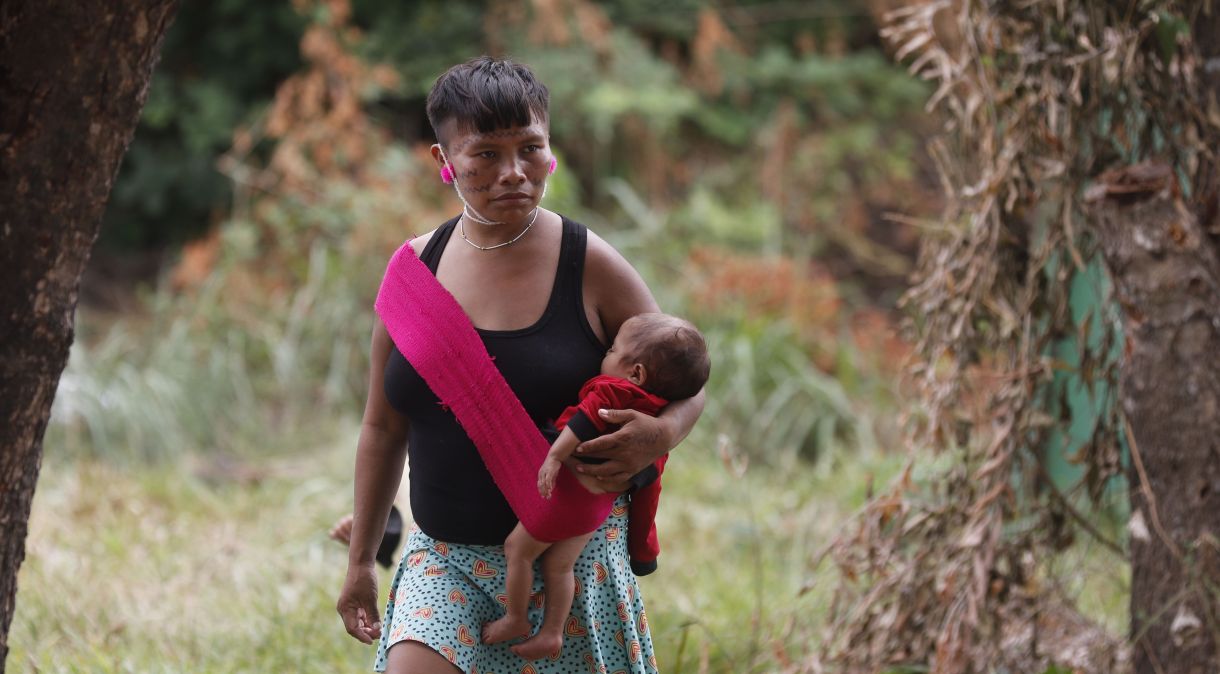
170	568
734	592
158	569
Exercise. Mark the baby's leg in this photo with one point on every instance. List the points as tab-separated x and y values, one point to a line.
521	549
596	486
560	587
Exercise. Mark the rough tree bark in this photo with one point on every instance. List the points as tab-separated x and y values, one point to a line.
1166	272
73	79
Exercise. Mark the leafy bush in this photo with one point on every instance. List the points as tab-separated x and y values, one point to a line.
220	64
323	187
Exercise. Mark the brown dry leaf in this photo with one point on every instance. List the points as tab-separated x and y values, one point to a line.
712	37
197	262
549	25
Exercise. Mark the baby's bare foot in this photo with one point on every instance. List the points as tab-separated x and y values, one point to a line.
539	646
505	628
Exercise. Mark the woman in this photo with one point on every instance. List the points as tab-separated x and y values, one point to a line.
546	297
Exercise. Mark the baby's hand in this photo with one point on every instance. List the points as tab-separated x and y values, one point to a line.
546	477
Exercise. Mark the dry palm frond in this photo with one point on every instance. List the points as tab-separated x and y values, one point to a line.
1037	97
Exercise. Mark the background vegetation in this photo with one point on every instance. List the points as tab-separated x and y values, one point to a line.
752	160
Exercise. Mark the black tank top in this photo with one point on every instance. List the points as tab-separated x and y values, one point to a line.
453	497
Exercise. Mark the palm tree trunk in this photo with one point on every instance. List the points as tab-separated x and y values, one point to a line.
1166	273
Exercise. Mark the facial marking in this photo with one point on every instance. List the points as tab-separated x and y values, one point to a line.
500	134
467	139
465	143
506	133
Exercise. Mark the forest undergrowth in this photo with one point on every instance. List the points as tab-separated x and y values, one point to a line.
201	447
193	566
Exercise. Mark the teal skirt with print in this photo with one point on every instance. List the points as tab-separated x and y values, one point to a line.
443	593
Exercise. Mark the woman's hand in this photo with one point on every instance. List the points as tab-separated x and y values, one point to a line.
358	603
342	530
640	441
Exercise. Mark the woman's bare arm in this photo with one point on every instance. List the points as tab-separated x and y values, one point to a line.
617	292
640	441
380	456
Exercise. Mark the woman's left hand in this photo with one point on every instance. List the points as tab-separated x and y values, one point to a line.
640	441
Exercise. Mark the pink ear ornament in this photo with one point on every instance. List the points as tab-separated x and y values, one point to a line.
554	165
446	174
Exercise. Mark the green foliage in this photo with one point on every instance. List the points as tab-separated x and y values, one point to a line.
765	392
282	359
219	65
765	21
222	61
199	378
245	357
421	39
674	19
833	89
592	97
754	225
1170	29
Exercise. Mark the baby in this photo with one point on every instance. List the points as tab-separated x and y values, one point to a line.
655	359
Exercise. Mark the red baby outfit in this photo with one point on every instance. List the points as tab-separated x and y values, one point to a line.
615	393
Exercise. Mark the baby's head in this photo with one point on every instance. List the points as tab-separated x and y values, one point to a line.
661	354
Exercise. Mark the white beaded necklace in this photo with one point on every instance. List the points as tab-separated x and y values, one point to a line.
510	242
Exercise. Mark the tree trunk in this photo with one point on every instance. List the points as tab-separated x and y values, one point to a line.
1166	274
73	78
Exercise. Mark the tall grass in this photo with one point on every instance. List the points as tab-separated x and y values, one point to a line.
152	569
209	372
768	394
157	569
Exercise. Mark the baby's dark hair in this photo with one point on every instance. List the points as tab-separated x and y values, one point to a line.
673	352
486	94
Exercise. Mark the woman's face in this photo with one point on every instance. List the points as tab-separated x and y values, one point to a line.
501	173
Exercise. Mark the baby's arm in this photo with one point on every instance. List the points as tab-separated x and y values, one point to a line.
561	449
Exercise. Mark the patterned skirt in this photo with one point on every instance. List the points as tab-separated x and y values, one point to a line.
443	593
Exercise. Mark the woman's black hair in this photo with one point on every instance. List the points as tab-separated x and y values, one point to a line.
486	94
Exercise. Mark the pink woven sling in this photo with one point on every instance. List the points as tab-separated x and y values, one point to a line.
435	335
